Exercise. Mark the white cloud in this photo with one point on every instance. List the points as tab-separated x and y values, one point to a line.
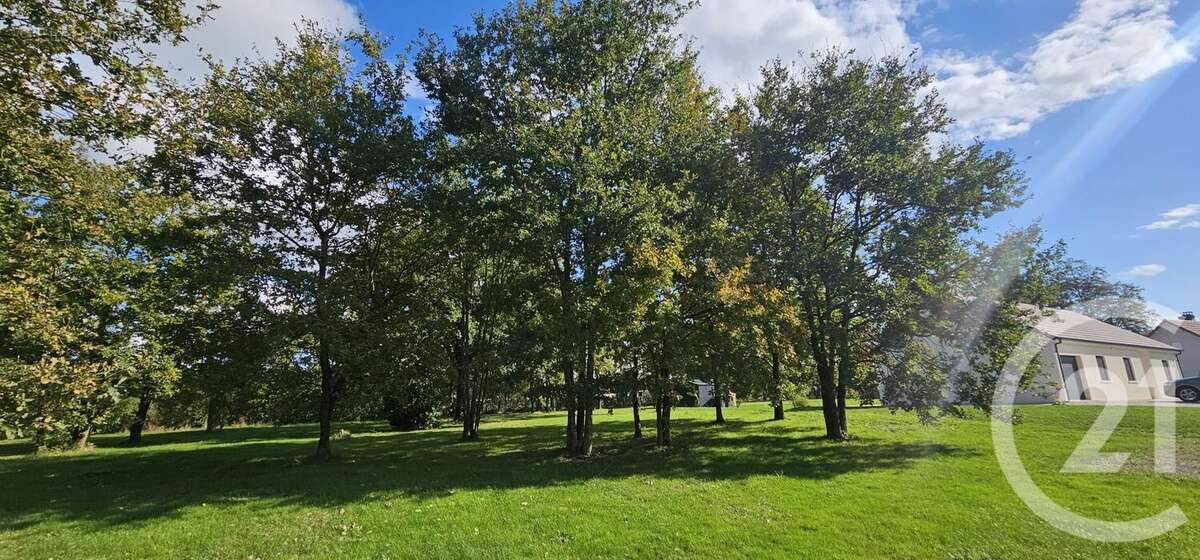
1160	312
1161	224
1105	46
1146	270
1173	224
987	99
736	37
238	27
1177	218
1185	211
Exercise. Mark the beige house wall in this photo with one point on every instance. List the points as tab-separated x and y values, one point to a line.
1147	367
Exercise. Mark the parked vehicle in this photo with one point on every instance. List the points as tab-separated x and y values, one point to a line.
1186	389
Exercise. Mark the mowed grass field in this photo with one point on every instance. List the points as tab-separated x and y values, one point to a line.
753	488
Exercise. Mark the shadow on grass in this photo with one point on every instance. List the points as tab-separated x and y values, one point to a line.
15	448
268	467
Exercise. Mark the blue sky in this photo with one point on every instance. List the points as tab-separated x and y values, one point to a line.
1096	97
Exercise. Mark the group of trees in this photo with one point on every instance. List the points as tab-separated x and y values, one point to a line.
575	214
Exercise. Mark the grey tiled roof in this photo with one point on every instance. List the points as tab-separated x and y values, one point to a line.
1187	326
1075	326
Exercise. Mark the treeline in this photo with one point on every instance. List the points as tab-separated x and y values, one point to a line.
573	218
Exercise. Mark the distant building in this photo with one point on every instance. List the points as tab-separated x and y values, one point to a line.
704	395
1185	335
1090	360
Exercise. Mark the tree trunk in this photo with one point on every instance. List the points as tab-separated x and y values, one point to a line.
569	402
777	378
580	417
470	429
829	408
829	403
845	368
579	421
637	416
589	395
477	416
719	401
469	388
662	408
460	398
663	420
212	419
637	405
841	407
328	383
573	393
829	399
324	447
79	437
473	413
139	421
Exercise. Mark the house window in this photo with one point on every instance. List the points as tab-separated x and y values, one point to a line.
1167	370
1129	371
1103	369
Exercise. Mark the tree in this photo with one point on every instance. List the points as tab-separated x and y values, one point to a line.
715	281
1054	279
78	75
314	151
150	313
74	329
561	104
773	325
629	380
483	288
1006	288
226	338
865	216
71	266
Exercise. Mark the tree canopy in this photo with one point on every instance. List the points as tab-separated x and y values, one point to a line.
570	217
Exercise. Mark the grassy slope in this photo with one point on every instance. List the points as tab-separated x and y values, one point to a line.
754	488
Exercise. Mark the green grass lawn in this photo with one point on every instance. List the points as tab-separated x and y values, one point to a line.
752	488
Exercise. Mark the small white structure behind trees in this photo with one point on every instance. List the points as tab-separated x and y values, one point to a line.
704	394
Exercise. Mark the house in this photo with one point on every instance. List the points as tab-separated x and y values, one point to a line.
704	394
1090	360
1185	335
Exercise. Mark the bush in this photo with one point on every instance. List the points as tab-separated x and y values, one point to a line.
410	407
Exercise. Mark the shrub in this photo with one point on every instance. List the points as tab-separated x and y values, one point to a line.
410	407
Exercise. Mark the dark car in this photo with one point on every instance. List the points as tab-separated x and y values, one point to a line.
1186	389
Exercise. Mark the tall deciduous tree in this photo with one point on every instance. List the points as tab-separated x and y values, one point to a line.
314	149
77	76
563	105
1054	279
869	216
79	329
484	288
1005	288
